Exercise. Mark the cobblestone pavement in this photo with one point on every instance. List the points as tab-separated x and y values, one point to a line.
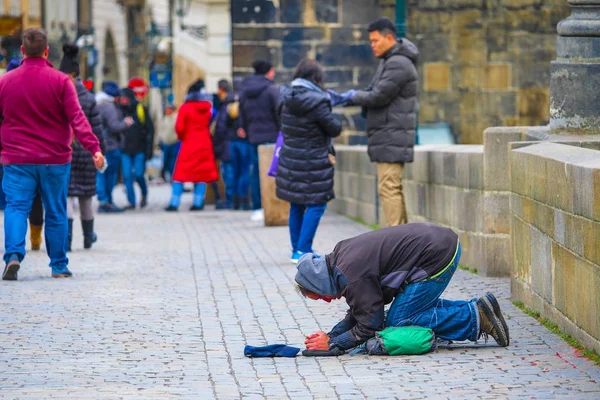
164	304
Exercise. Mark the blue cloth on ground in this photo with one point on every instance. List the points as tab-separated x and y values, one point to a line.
273	350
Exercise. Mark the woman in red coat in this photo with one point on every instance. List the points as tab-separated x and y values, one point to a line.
196	160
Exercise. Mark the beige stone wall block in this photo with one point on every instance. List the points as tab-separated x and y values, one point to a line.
497	76
496	155
471	77
565	265
436	77
533	105
496	213
591	239
276	210
596	184
543	218
497	255
521	250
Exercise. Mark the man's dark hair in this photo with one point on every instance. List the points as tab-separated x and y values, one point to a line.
384	26
261	67
35	42
302	291
224	85
311	71
196	86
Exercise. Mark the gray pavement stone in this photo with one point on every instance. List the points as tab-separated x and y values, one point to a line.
163	305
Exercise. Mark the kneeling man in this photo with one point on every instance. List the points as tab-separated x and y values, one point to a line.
409	266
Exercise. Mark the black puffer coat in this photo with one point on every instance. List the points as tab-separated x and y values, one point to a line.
259	102
83	171
391	103
305	173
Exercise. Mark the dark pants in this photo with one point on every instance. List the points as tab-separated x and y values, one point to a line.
36	216
21	184
106	182
134	168
303	223
241	160
255	179
170	152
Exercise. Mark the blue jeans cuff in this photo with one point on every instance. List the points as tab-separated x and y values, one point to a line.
475	315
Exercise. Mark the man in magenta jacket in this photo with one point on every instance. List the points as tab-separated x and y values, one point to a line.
40	114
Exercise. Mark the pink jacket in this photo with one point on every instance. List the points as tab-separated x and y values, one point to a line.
40	112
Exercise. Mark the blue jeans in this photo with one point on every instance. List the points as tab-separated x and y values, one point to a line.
255	178
303	224
170	152
227	176
134	167
21	183
2	195
106	182
420	305
199	194
241	160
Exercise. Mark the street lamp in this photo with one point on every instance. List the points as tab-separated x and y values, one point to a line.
401	18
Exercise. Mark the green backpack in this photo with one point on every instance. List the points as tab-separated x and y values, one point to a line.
401	341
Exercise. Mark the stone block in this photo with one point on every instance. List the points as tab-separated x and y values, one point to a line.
263	12
582	178
520	238
436	167
292	53
291	11
468	209
449	168
559	185
420	166
496	155
276	210
358	12
366	166
475	168
327	11
471	77
351	208
356	55
367	212
574	233
367	189
472	249
497	76
533	104
541	264
436	77
496	255
245	54
496	214
591	241
336	205
516	205
542	217
341	77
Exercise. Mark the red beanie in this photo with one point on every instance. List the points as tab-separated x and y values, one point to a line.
138	86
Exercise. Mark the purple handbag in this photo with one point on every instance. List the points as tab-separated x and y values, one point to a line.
275	162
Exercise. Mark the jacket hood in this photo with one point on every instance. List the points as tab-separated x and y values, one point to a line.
254	85
103	98
80	87
299	99
313	275
200	106
405	48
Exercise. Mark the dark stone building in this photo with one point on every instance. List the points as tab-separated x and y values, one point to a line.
332	31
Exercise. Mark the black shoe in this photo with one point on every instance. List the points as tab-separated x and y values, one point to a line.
89	236
196	208
491	322
70	236
171	209
10	271
129	207
144	202
236	202
245	204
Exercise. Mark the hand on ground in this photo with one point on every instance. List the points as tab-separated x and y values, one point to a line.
317	341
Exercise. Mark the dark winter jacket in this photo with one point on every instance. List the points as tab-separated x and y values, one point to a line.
224	132
305	173
113	124
83	170
138	138
259	101
391	103
370	270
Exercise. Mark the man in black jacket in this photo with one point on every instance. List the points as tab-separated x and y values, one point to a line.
259	102
409	266
391	106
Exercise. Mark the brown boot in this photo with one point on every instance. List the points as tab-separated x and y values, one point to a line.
491	321
35	236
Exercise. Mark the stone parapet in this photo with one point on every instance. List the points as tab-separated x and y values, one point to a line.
555	235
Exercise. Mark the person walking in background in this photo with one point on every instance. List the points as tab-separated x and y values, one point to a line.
305	172
168	141
196	160
82	184
36	216
241	153
259	121
40	112
137	146
223	135
113	125
391	106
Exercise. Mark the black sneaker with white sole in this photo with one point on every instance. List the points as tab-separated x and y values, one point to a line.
10	271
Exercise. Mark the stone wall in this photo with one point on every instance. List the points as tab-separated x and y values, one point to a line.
555	234
331	31
484	63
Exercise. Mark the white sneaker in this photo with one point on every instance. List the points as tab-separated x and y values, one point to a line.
258	215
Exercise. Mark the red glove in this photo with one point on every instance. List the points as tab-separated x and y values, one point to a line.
317	341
